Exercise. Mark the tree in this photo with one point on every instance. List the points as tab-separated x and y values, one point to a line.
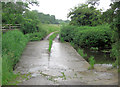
12	12
84	15
114	20
31	22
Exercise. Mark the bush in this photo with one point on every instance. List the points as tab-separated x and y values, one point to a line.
29	26
86	36
115	53
37	36
13	44
92	62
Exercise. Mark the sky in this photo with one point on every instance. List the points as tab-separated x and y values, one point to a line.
60	8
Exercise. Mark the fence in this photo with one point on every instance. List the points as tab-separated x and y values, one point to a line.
7	27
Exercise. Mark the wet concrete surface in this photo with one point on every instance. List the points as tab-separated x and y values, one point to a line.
63	66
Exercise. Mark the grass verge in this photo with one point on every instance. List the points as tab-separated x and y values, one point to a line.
50	45
13	44
51	38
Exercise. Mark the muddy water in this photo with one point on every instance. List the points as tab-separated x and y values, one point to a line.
63	66
100	57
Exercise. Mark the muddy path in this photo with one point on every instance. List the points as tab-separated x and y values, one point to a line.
63	66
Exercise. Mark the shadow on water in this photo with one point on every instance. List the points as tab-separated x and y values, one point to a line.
100	57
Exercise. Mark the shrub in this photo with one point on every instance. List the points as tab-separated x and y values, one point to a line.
115	53
37	36
92	62
29	26
85	36
80	51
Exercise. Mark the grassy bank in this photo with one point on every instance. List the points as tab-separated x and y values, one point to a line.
13	44
53	36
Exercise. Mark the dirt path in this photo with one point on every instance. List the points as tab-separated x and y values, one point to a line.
63	66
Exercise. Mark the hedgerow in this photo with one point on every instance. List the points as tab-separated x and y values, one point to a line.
86	36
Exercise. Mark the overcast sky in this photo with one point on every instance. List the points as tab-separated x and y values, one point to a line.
60	8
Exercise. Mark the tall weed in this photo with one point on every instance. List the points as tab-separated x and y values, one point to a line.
92	62
50	45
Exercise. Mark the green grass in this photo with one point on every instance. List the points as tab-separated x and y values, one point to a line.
45	29
91	62
53	36
13	44
80	51
50	27
37	36
50	45
0	70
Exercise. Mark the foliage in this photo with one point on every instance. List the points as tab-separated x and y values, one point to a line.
53	36
47	19
80	51
114	20
37	36
0	70
12	12
85	15
61	39
50	27
63	75
50	45
18	13
86	36
107	16
116	52
92	62
30	23
10	55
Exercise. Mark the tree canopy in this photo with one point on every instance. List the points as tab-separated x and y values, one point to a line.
85	15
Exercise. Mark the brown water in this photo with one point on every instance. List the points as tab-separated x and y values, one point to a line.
100	57
63	66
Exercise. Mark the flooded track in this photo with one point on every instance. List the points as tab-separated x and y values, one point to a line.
63	66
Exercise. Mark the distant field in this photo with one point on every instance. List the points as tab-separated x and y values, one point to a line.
50	27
